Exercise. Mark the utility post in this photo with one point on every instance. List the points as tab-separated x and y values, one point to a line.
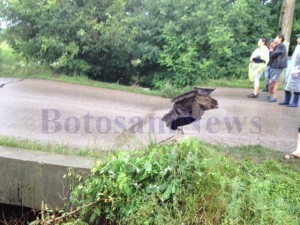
286	20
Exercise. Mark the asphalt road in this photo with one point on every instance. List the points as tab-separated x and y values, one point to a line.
81	116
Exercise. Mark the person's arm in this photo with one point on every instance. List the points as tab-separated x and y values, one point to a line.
278	51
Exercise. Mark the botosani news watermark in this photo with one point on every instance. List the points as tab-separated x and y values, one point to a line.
54	121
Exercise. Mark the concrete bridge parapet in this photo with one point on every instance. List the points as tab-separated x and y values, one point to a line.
28	177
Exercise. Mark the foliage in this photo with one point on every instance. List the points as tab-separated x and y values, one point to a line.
202	46
182	42
73	37
188	183
13	64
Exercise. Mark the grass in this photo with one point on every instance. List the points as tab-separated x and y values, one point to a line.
52	148
190	182
258	154
255	153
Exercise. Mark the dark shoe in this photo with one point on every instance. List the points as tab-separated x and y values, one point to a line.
295	100
268	97
265	90
271	99
283	103
293	105
252	95
287	98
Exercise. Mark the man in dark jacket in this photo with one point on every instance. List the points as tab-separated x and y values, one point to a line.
278	63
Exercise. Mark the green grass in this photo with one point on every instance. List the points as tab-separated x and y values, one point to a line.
191	182
238	83
258	154
255	153
61	149
233	83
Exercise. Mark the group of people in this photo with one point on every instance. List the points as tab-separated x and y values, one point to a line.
272	61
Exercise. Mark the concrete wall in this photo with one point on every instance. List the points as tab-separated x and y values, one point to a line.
27	177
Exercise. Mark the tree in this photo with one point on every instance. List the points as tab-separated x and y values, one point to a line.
74	37
150	42
286	19
296	26
212	39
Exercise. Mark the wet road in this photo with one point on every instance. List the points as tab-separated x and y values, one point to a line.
81	116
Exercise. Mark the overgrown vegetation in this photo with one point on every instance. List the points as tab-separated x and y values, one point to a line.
152	43
188	183
13	65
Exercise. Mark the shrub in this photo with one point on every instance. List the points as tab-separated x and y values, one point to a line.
188	183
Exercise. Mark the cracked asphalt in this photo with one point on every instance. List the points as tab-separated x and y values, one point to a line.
82	116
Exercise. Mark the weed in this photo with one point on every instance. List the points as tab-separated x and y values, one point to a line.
189	183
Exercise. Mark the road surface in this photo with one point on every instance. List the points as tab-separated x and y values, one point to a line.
102	119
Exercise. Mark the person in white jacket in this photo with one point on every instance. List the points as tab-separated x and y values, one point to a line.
258	62
293	81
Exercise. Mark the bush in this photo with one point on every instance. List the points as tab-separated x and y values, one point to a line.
188	183
185	39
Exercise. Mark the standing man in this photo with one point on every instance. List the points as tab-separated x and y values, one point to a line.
293	81
278	63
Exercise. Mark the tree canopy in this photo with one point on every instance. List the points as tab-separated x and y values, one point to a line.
146	41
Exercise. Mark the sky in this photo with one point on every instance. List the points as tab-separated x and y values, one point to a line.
2	24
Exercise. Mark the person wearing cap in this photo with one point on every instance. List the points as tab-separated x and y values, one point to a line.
258	62
293	81
278	63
